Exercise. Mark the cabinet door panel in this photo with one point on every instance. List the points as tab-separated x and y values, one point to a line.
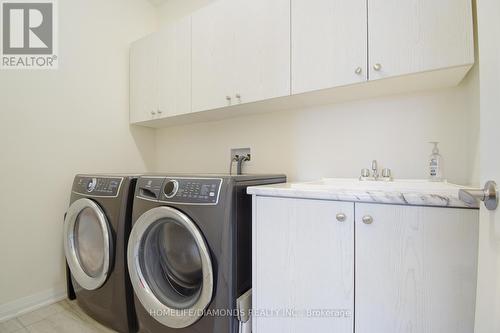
415	269
212	55
143	78
262	49
329	44
418	35
302	261
175	68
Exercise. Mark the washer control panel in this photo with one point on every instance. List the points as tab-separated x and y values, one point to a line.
97	186
191	190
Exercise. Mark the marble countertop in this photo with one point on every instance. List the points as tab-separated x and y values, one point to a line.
403	192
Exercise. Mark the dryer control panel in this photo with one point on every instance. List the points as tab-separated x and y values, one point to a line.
97	186
191	190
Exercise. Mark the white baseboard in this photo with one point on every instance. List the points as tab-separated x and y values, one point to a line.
31	302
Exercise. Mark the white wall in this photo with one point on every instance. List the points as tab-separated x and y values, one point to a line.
54	124
335	140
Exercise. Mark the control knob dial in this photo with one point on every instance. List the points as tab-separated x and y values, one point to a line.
170	188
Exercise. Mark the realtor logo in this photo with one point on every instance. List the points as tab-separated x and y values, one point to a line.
28	34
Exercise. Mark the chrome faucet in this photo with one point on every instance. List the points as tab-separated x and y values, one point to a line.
374	175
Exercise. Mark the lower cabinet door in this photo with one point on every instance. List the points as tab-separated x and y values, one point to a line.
303	266
415	269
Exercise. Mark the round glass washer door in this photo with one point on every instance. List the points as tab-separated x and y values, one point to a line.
170	267
87	243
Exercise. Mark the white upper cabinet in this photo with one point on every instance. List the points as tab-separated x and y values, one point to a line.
413	36
241	52
233	52
262	50
174	71
212	56
144	79
329	44
160	73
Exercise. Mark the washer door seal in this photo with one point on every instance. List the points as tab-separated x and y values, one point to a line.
170	267
85	218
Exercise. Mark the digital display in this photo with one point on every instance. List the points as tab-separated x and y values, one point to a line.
205	189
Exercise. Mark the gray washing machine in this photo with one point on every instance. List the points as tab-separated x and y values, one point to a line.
189	252
96	229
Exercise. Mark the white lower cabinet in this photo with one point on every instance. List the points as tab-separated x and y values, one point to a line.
303	260
415	269
329	266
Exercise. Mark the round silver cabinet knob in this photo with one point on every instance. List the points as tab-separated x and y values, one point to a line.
377	67
367	219
238	96
153	112
228	98
358	70
160	111
341	217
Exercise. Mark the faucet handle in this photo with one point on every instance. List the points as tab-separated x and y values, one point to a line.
365	174
386	174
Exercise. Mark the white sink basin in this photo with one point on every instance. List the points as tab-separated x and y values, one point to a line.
352	184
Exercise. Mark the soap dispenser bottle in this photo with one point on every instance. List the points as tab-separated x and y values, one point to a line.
435	164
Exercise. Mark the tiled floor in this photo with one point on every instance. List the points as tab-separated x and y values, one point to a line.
62	317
